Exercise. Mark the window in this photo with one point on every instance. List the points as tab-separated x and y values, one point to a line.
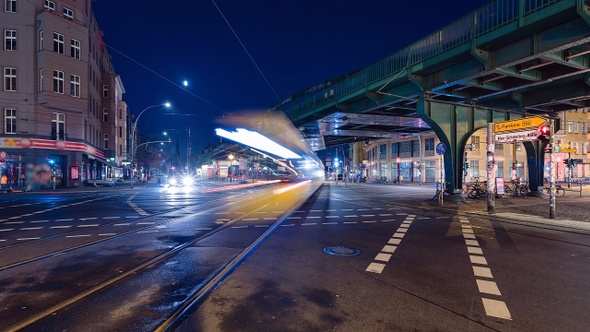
75	86
106	141
120	113
429	147
10	40
120	131
68	13
473	169
394	150
105	91
41	75
9	79
499	169
576	148
9	121
576	127
383	152
10	6
415	149
405	149
120	150
584	148
40	40
58	43
58	81
49	5
584	127
105	115
75	49
569	126
58	126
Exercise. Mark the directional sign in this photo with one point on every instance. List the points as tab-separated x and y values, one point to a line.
568	150
520	124
517	136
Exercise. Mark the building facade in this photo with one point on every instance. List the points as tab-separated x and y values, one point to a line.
414	159
64	119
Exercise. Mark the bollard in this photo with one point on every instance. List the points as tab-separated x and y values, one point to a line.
580	189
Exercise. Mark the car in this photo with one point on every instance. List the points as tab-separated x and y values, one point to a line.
106	182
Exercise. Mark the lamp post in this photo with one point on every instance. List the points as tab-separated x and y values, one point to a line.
133	133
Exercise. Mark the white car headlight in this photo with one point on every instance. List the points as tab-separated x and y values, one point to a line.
187	181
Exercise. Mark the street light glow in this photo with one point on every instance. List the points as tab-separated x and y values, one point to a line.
185	83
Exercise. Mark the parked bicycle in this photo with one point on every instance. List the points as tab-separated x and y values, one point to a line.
559	190
517	189
440	193
478	189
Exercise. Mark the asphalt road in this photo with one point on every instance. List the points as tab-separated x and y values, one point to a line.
356	257
420	270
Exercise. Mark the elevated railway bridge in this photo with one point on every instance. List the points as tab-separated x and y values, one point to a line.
507	60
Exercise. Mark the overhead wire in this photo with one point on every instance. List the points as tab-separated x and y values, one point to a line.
246	50
164	78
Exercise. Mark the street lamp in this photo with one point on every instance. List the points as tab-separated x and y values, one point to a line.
133	133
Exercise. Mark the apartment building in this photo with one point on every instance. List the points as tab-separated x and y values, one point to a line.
64	119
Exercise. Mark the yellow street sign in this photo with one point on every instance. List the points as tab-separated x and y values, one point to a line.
567	150
520	124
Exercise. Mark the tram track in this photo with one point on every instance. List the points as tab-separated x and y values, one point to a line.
160	258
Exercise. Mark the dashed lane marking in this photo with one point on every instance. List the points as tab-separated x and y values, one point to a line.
483	275
389	248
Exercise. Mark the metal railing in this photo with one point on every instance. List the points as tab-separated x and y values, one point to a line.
488	18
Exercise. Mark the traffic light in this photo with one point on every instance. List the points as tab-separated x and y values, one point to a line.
574	162
544	134
567	162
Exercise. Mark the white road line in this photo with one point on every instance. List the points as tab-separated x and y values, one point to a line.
107	234
28	238
31	228
89	218
204	229
14	222
309	223
131	217
38	221
313	217
260	225
330	223
90	225
250	219
148	231
123	224
328	217
287	225
487	286
113	217
56	227
65	219
382	257
367	215
375	267
268	218
81	235
222	212
496	308
6	229
146	223
351	216
389	248
239	226
369	221
294	218
350	222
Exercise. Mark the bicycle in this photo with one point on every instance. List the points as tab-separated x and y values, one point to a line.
559	190
517	189
440	193
478	189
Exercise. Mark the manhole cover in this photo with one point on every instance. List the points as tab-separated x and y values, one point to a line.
342	251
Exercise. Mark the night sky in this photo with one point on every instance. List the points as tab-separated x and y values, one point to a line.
155	45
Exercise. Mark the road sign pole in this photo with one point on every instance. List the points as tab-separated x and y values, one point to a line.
552	174
569	169
490	176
